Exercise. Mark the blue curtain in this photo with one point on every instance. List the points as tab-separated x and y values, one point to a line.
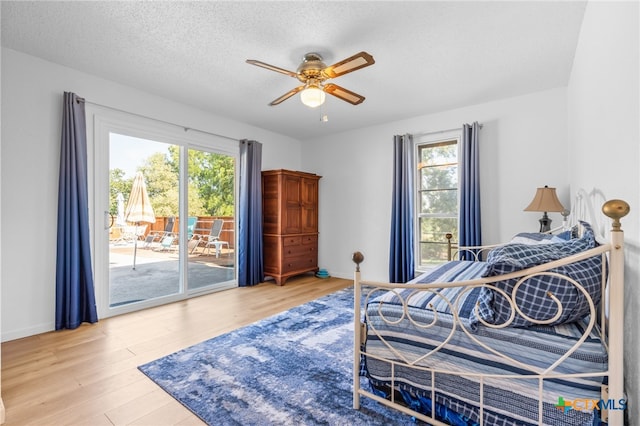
250	246
401	254
75	297
470	224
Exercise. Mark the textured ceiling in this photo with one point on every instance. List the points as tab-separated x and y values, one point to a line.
430	56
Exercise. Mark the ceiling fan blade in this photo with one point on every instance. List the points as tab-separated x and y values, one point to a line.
286	96
355	62
271	67
344	94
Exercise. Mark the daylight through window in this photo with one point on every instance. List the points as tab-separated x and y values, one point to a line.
437	201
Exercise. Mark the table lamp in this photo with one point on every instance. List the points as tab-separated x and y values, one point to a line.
545	201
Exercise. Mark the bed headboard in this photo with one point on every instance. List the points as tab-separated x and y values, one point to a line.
587	206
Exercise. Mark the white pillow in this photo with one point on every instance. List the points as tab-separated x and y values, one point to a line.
535	238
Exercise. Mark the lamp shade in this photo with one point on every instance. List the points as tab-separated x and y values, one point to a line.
545	200
312	96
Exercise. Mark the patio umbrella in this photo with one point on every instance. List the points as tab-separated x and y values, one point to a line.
138	208
120	210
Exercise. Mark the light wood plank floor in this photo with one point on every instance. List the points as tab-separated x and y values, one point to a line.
89	376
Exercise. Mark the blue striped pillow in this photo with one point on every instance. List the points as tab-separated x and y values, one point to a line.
532	297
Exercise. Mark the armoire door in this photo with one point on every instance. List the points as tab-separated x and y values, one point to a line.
291	213
309	205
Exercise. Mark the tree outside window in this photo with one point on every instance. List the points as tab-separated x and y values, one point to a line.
437	201
210	184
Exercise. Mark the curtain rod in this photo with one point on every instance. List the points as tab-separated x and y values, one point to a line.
158	120
440	131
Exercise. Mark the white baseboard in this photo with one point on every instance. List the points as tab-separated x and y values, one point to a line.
28	331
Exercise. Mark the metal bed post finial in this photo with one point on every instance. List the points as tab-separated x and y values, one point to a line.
616	210
357	258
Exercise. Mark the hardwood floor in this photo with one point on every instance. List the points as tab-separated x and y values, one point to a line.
89	376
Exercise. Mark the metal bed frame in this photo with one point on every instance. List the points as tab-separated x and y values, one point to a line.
609	320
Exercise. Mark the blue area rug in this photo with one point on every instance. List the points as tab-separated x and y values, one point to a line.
294	368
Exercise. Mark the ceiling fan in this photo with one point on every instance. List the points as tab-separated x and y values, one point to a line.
313	73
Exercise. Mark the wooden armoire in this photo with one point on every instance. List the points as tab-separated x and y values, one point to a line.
290	223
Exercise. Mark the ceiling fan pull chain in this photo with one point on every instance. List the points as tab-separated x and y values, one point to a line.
323	116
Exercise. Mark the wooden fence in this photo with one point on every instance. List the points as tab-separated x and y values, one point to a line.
202	226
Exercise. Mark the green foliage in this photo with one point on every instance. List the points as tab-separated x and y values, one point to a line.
162	184
212	175
438	200
117	184
210	188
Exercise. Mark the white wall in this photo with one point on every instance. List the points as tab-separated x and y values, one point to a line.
2	410
604	140
523	146
32	92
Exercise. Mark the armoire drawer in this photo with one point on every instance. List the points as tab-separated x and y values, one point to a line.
299	250
291	241
299	263
309	239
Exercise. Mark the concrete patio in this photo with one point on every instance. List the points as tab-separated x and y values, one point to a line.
157	272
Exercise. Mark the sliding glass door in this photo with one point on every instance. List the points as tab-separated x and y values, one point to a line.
211	221
165	216
144	252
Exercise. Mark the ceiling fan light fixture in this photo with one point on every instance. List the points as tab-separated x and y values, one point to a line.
313	73
312	96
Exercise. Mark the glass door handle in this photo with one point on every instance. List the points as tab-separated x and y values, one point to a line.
108	220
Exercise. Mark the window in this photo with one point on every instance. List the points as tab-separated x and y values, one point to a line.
436	200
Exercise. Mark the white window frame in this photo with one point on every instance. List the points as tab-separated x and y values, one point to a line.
419	141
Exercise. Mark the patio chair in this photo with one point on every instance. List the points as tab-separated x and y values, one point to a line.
191	226
166	244
133	232
159	236
214	238
210	240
